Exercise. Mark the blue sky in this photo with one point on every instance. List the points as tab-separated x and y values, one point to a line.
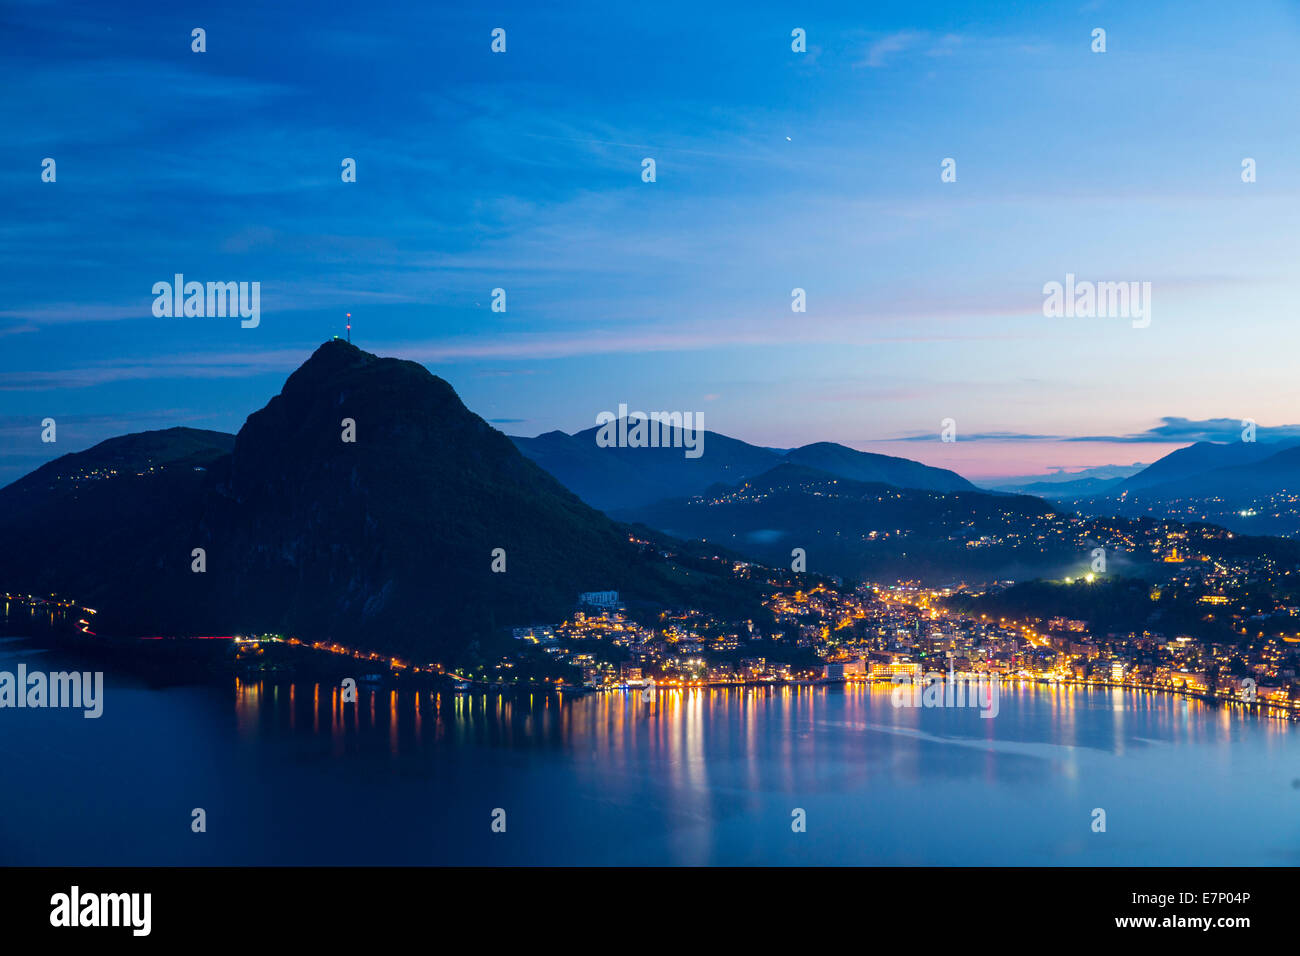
775	170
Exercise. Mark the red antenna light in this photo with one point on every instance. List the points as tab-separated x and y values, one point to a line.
349	327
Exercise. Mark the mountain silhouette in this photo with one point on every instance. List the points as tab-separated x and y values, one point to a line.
382	543
844	462
1266	470
1063	490
1195	459
612	478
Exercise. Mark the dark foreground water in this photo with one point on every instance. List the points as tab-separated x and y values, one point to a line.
288	775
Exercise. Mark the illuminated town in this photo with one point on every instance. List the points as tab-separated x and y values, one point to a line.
882	633
1243	644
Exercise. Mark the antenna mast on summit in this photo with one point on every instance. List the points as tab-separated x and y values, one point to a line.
349	328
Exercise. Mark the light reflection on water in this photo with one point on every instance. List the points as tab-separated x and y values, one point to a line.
709	775
676	723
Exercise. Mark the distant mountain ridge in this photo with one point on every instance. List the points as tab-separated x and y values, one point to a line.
128	453
1262	470
1197	459
1228	470
614	478
1064	489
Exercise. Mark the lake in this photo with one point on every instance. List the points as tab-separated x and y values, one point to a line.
287	774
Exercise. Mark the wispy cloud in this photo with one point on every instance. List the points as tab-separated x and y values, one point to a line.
1171	430
1175	429
882	50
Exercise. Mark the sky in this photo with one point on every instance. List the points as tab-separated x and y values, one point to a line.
774	170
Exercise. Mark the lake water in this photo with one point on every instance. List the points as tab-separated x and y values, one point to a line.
289	775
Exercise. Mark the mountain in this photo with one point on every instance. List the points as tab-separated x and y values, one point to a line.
608	478
883	469
1224	484
1062	484
102	523
384	543
614	478
1260	475
1062	490
129	454
1193	460
867	529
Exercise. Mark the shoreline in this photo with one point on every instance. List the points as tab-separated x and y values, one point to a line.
325	660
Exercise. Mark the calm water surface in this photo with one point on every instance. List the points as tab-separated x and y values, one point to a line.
289	775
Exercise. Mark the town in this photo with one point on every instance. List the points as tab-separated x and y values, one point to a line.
1231	631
